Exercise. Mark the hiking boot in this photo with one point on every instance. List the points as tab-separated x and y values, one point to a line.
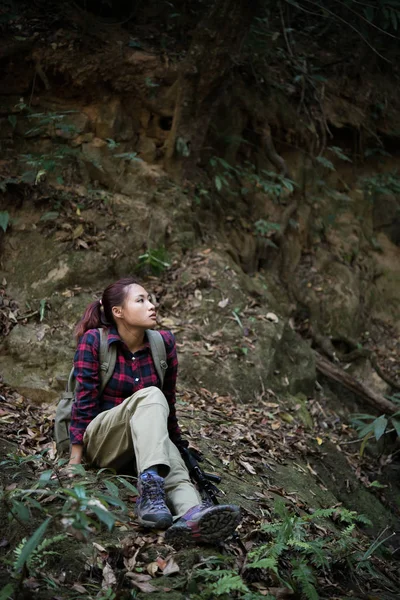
151	509
204	524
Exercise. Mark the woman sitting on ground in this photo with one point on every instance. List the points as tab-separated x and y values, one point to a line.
134	422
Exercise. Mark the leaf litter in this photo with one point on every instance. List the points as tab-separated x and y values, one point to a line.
243	440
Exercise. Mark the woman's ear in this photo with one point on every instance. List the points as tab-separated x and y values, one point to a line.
117	312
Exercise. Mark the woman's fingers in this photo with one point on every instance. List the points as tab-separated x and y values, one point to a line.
65	472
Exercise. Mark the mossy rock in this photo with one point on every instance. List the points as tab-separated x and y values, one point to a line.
299	405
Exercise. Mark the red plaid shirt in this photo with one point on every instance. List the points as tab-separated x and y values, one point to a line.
132	372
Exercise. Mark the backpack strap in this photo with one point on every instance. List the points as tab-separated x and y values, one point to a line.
158	352
69	390
107	359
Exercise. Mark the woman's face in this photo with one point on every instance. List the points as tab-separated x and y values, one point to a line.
137	309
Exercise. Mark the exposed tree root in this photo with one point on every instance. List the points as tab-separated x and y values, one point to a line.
326	344
337	374
279	163
356	353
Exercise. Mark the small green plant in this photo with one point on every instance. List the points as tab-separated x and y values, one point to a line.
325	163
328	164
382	183
38	557
39	164
370	427
295	555
4	220
83	507
339	153
263	228
386	14
155	261
249	178
128	156
215	577
292	541
200	195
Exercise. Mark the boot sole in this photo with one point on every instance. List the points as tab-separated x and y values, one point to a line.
216	525
162	523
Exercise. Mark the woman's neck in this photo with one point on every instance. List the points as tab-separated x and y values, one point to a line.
132	337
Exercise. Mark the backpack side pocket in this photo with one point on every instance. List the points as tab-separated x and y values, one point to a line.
62	422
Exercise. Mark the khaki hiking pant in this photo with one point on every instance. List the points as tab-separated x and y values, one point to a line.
136	431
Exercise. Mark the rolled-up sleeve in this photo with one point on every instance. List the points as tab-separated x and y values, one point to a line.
86	370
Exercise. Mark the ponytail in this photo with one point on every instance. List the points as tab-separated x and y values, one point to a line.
92	319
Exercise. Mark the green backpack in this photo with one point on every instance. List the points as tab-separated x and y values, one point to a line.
108	357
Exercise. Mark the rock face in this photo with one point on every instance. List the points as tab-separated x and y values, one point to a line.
36	360
240	350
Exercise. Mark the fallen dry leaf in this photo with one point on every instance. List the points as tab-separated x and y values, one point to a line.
152	568
77	231
309	467
223	303
79	588
249	468
161	563
142	582
272	317
171	567
280	593
99	548
109	578
130	563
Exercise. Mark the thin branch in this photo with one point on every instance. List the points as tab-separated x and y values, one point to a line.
284	30
335	16
367	21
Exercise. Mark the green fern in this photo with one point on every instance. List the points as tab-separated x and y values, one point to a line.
270	562
227	584
305	577
211	574
351	516
271	528
320	513
347	532
37	559
325	163
339	153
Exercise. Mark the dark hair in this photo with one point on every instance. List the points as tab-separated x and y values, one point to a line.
99	313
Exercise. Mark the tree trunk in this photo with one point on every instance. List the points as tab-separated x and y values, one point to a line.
217	41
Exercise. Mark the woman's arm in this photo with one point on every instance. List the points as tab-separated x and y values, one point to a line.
85	406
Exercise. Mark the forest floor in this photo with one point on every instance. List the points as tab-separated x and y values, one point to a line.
93	551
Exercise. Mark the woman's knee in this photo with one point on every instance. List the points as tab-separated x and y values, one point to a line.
146	397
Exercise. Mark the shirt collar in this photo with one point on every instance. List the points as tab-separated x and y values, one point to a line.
113	335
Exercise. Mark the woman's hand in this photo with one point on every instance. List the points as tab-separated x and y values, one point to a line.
76	455
74	459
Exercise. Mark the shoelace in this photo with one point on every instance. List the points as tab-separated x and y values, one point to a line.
153	490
